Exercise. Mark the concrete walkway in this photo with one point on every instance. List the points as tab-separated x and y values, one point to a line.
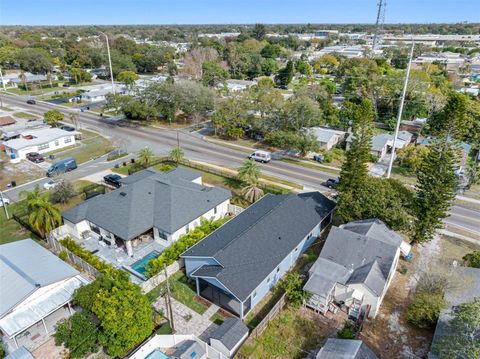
186	320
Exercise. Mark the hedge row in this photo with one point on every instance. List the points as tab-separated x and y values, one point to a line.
172	253
88	257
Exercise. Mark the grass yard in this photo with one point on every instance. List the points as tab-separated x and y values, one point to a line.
182	290
25	115
11	230
292	334
220	316
35	92
164	329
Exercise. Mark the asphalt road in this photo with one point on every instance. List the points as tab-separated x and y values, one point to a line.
196	148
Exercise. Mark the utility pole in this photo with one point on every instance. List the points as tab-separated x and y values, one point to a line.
400	110
4	205
4	89
169	300
109	61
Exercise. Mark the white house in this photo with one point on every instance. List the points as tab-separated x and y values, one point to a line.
236	85
41	140
326	137
355	268
229	336
36	291
150	205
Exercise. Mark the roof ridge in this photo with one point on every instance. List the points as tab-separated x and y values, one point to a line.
248	228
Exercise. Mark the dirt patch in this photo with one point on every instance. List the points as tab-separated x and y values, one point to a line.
389	335
22	172
49	350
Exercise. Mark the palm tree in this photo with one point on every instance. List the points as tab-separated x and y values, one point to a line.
176	154
33	196
44	216
249	173
145	156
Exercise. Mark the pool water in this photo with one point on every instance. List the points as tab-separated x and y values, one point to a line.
157	355
140	266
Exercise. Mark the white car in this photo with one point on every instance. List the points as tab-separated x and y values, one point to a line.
51	184
5	200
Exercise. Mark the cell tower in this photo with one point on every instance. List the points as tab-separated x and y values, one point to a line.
381	5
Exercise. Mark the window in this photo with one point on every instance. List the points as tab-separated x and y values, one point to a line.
296	249
43	147
278	269
187	228
254	294
67	140
215	210
57	143
309	236
162	235
268	280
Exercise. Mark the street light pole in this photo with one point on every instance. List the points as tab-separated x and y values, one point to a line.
4	205
109	62
400	110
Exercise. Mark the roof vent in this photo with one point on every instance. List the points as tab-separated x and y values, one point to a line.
123	194
280	238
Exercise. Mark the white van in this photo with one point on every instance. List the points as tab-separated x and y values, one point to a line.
261	156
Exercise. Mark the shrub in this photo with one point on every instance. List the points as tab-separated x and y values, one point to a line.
347	331
424	309
172	253
78	334
472	259
293	287
63	255
63	192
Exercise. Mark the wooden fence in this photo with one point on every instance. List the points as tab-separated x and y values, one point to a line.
56	247
260	328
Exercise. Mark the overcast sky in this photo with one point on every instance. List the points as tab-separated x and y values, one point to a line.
85	12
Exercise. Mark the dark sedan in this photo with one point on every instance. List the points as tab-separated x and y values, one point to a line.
113	180
35	157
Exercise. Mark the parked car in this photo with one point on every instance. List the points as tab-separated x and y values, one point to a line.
5	200
318	158
331	183
34	157
261	156
113	180
67	128
51	184
62	166
31	102
66	84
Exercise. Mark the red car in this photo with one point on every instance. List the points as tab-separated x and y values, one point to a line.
35	157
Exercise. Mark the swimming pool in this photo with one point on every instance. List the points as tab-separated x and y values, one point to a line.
140	266
156	354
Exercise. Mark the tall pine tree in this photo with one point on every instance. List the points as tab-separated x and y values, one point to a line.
436	183
354	172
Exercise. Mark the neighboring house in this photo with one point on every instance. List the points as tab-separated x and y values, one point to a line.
149	206
36	291
382	144
236	265
7	120
189	349
326	137
463	148
345	349
30	78
229	336
355	268
41	140
455	296
20	353
236	85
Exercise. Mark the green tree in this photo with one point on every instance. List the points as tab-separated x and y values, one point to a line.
145	156
43	216
472	259
53	117
63	192
249	173
34	60
354	173
303	67
269	66
436	184
176	154
301	112
424	309
271	51
293	287
305	143
128	78
78	334
285	75
259	31
461	336
213	74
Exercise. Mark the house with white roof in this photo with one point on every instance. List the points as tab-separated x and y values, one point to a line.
36	291
355	268
327	137
40	140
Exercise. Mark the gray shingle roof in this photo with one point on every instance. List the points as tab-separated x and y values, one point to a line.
251	245
167	201
26	266
230	332
20	353
374	228
345	349
365	259
189	349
